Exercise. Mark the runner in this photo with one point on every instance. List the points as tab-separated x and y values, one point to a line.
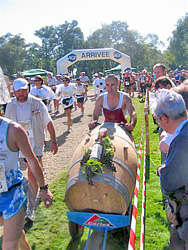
67	90
114	103
80	93
57	98
12	189
85	80
132	81
127	83
42	91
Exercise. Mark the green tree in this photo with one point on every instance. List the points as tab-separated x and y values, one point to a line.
57	41
49	40
33	57
12	53
178	45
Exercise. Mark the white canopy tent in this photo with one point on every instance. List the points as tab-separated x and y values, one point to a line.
92	54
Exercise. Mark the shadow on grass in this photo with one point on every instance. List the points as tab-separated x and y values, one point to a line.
117	239
76	244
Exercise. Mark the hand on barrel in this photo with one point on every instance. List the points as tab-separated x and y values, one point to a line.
129	126
92	124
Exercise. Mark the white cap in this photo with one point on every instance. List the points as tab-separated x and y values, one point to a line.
20	83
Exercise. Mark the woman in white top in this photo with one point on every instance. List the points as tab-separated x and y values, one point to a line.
42	91
80	93
67	90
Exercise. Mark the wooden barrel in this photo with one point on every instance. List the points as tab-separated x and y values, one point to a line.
111	191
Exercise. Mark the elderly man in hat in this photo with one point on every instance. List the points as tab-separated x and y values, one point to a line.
33	115
171	114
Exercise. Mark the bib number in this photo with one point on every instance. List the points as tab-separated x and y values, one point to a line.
28	128
3	183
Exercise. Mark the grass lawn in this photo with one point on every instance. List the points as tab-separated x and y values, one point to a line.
50	229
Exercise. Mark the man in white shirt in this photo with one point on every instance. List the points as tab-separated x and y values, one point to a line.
33	115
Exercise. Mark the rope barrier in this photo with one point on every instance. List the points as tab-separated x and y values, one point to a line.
134	210
142	234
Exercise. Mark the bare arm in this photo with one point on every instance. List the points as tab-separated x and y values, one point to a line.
85	89
17	139
51	130
96	112
132	113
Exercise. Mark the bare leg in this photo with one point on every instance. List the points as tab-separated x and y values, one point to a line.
69	121
81	106
13	230
32	194
23	243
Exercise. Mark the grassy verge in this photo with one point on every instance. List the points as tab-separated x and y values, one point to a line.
50	229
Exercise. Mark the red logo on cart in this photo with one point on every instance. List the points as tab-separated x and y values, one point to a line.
96	220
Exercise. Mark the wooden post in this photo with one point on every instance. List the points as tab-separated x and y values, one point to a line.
146	114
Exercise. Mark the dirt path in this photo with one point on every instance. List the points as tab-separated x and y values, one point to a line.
67	143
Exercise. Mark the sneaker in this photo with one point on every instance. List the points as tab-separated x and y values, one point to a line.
68	130
56	112
82	114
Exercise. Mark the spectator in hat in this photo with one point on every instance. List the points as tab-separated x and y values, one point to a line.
33	115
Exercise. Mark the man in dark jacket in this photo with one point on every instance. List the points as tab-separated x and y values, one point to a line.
171	114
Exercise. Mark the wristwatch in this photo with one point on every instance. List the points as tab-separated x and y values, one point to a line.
45	187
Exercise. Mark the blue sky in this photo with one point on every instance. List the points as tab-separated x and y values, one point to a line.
146	16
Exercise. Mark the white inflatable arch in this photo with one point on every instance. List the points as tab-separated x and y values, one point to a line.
92	54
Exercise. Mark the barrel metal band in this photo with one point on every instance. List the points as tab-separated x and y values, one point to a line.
113	182
76	161
118	161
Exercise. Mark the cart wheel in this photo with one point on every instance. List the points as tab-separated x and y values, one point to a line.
75	230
